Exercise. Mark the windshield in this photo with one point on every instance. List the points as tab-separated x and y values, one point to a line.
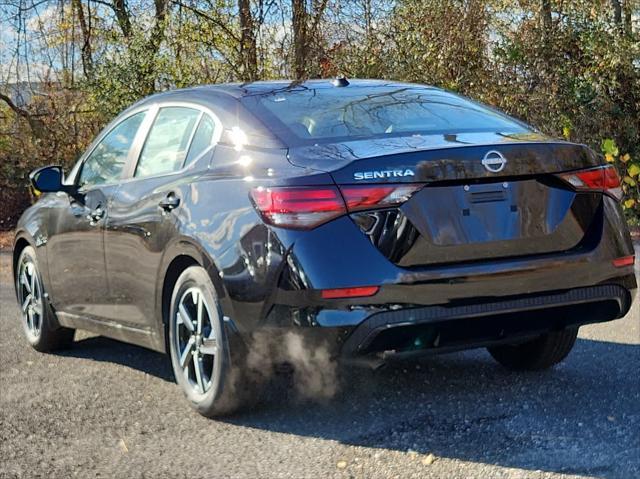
321	115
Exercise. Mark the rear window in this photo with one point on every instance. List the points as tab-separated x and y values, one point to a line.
322	115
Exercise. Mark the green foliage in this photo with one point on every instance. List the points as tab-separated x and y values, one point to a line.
609	147
441	43
630	173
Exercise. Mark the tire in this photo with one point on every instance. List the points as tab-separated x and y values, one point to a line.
211	377
538	354
40	324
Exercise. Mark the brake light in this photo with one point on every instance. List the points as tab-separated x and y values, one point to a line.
349	292
376	196
604	179
298	207
305	207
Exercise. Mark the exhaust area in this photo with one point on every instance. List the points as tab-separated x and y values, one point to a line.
314	370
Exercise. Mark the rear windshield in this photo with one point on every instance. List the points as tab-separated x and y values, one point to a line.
307	115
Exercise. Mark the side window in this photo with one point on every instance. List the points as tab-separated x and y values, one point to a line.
202	138
106	161
166	147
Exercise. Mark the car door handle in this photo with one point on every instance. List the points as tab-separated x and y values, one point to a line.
170	202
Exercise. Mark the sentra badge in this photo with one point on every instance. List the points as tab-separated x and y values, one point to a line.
375	174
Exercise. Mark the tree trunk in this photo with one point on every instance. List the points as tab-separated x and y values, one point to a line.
547	33
617	13
368	21
299	23
628	21
157	34
248	48
87	57
547	22
121	10
148	75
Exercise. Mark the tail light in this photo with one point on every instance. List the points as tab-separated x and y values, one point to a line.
604	179
298	207
376	196
309	206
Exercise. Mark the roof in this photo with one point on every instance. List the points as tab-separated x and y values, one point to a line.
239	90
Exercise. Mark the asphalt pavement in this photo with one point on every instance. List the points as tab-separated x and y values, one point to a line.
110	410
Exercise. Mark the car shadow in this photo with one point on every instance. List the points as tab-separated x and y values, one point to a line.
99	348
578	418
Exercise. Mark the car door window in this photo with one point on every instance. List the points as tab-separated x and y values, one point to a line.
107	160
202	138
168	141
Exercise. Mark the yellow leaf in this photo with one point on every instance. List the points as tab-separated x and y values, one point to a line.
633	170
629	203
609	157
630	181
566	132
624	158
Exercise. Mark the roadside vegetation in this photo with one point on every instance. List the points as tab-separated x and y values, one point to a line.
570	68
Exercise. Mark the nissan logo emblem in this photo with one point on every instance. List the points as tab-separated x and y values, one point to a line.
494	161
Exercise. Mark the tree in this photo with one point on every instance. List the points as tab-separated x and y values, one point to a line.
570	68
248	46
299	25
305	27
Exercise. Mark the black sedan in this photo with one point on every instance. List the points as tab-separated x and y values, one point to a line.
368	220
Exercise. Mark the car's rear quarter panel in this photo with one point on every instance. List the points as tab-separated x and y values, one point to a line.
216	214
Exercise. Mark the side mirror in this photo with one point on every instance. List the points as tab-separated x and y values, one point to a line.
48	179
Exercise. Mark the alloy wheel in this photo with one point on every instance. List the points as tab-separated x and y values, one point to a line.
31	301
195	339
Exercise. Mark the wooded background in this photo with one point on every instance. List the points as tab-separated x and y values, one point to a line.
569	67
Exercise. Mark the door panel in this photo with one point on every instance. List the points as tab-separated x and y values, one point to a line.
75	252
136	234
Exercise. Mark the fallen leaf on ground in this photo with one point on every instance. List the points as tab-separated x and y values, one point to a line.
430	459
123	446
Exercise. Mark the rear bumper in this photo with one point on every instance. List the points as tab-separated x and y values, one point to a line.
383	333
468	325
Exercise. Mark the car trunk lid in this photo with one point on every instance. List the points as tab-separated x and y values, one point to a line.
489	201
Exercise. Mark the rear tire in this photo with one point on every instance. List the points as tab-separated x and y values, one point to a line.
538	354
40	324
212	377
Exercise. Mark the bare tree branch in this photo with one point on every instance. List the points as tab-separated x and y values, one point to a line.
220	24
35	124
